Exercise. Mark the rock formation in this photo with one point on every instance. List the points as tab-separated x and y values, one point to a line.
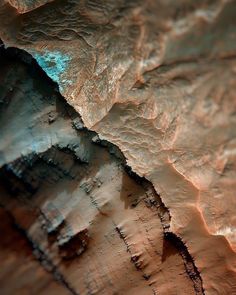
117	147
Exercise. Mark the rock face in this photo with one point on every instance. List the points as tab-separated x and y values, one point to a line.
91	222
156	81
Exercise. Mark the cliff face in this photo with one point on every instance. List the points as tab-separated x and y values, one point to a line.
91	222
154	82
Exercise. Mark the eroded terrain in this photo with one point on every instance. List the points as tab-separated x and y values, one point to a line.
155	78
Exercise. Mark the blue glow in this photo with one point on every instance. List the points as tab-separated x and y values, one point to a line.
54	63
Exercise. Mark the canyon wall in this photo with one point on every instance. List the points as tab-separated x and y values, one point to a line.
117	146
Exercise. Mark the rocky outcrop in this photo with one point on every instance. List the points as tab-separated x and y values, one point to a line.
87	218
157	80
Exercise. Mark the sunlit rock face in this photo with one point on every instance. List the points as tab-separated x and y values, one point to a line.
157	79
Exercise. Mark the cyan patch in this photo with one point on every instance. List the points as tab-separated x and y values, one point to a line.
54	63
30	2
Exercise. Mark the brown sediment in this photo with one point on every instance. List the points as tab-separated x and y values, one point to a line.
20	258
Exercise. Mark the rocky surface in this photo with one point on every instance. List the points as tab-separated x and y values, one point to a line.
88	220
155	78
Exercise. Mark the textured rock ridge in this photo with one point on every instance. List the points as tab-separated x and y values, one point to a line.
157	79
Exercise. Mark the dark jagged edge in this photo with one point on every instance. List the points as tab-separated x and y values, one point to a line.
25	57
188	260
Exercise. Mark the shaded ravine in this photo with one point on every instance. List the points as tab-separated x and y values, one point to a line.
157	202
190	266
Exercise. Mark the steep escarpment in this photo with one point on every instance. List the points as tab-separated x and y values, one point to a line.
92	225
157	79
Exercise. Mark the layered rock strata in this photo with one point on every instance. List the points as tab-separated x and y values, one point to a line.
157	79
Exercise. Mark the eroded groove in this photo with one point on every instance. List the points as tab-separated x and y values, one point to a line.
190	266
154	200
165	217
134	259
